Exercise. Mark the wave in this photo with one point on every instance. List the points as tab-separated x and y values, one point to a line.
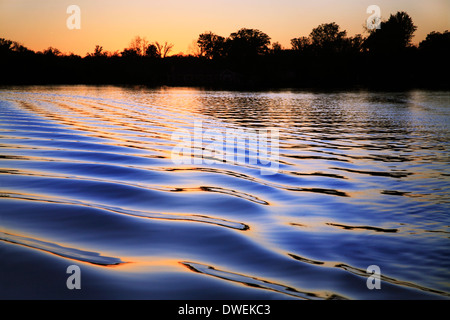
88	172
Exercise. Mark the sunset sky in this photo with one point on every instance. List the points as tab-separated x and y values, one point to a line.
38	24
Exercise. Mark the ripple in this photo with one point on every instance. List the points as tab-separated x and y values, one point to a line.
92	166
377	173
321	190
66	252
259	283
363	273
133	213
376	229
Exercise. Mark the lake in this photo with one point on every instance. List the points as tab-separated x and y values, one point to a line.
352	182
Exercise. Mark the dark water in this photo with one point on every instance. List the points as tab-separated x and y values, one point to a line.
87	179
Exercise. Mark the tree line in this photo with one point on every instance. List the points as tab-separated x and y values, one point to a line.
327	57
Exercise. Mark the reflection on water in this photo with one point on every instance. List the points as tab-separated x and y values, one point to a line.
91	257
87	179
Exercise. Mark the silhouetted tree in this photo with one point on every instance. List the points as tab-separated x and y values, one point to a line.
163	49
301	44
74	56
50	51
328	57
327	38
276	47
211	45
19	48
248	43
114	54
98	52
8	47
434	51
129	53
436	42
5	45
139	45
394	35
151	51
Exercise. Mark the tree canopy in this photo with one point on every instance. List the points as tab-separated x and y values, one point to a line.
327	37
248	43
211	45
394	35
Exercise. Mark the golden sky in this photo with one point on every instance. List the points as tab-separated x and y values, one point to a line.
38	24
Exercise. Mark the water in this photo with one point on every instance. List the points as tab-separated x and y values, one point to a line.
87	179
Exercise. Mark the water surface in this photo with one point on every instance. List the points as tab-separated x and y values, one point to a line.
87	178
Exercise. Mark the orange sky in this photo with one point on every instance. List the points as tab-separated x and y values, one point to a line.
38	24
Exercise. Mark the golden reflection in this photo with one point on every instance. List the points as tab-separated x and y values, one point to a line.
61	249
145	264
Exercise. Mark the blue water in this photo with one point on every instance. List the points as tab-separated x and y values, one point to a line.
88	179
